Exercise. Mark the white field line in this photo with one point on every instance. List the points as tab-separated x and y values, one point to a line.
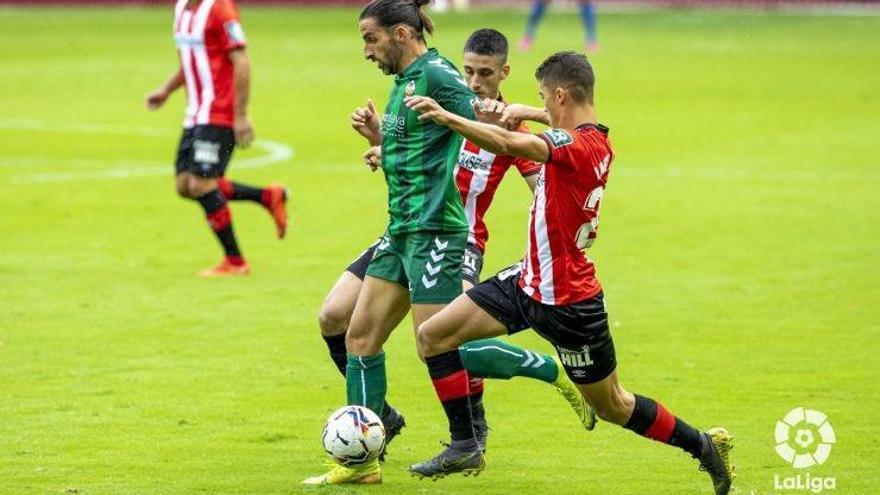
276	152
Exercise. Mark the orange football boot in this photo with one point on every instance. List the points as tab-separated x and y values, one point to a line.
277	206
227	268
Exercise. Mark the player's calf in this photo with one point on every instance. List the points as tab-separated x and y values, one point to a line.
650	419
615	408
391	418
463	454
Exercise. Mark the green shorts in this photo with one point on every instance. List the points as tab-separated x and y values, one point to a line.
429	263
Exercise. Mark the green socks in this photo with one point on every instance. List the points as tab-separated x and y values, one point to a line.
489	358
495	358
365	382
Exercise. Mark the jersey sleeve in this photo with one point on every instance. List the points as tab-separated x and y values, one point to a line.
526	167
446	85
563	150
229	24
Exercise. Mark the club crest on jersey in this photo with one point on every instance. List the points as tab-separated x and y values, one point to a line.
559	138
410	88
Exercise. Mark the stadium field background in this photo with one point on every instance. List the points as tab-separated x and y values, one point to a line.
738	250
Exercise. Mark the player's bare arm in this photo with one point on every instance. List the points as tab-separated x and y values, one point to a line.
489	137
516	113
365	121
241	124
157	98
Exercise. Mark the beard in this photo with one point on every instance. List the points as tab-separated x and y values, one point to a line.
392	56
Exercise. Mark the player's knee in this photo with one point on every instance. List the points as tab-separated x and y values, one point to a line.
182	188
362	343
199	188
432	339
332	319
425	342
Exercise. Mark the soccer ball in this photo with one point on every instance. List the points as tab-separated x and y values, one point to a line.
353	435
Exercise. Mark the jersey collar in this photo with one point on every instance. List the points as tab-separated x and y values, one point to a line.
599	127
417	63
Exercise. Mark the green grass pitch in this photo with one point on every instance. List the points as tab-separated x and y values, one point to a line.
738	250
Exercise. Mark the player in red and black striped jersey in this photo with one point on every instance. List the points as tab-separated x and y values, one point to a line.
215	70
553	289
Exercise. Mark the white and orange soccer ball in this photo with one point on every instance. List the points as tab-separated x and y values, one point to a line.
353	435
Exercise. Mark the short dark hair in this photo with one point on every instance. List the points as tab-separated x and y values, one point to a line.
571	71
390	13
487	42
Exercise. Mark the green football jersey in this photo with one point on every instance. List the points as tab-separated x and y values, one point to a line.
418	157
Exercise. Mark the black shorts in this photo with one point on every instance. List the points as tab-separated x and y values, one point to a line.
358	267
578	331
471	266
205	150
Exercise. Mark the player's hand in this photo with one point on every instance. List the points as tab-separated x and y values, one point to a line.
156	99
514	115
244	131
366	122
489	111
429	109
373	158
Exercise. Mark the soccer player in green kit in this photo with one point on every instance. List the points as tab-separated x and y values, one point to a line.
418	261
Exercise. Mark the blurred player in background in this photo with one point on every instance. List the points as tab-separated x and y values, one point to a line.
215	69
554	289
588	19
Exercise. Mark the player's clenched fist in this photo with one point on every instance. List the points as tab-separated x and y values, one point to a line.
514	114
243	130
366	122
489	111
156	99
373	158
